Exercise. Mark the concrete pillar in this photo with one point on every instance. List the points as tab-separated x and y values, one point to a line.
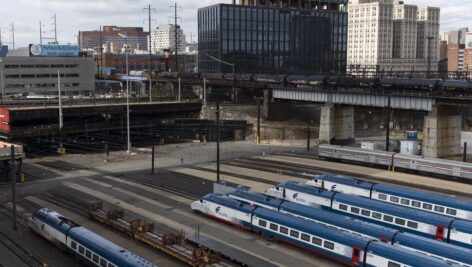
337	124
265	103
442	132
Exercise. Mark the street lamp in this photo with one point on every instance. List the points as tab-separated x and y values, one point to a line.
233	65
126	47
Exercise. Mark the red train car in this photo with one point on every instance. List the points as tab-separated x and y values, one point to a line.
4	120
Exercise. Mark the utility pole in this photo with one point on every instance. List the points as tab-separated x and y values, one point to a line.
429	38
180	90
149	9
101	54
258	137
61	121
204	92
55	29
217	142
40	33
13	34
387	139
308	137
176	37
13	164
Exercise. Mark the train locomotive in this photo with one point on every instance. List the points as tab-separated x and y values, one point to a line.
340	246
395	237
88	247
440	227
425	201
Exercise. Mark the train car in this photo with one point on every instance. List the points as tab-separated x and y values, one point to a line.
166	74
238	77
340	246
213	76
432	165
267	78
412	84
189	75
458	86
395	237
398	195
87	246
440	227
382	158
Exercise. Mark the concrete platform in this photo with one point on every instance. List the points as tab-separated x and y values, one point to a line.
381	175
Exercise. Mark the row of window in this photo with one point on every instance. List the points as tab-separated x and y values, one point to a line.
12	76
90	255
40	66
418	204
379	216
295	234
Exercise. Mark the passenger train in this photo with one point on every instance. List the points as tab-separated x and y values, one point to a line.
397	195
416	243
440	227
88	247
457	169
340	246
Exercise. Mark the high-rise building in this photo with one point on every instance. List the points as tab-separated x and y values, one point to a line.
273	37
163	37
456	50
385	37
93	40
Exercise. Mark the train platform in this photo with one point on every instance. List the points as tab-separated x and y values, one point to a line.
379	175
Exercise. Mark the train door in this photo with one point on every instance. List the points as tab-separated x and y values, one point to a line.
439	232
356	255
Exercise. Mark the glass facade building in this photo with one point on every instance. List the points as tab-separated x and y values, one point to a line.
268	40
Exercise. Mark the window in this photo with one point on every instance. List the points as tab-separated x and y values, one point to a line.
416	204
388	218
394	199
412	225
305	237
88	254
376	215
81	250
262	223
365	213
283	230
111	265
393	264
399	221
342	207
274	227
439	209
73	245
405	201
316	241
328	245
294	233
355	210
451	212
95	258
427	206
103	263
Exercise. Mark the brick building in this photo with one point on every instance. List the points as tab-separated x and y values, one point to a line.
110	35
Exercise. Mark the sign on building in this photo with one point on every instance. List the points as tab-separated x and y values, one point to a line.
37	50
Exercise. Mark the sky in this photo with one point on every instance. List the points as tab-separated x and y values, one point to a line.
75	15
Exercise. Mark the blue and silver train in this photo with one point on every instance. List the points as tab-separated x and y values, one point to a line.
90	248
416	243
397	195
337	245
440	227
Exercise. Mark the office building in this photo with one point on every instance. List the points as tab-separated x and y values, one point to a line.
93	40
273	37
388	37
163	37
456	51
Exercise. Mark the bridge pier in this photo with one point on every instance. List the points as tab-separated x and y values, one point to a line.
442	132
336	124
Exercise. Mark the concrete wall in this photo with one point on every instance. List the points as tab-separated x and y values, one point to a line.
442	136
336	124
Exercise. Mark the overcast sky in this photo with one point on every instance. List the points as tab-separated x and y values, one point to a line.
75	15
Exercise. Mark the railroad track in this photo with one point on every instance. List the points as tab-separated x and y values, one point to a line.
21	252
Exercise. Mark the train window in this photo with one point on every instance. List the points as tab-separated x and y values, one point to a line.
405	201
394	199
111	265
103	263
305	237
451	212
342	207
416	204
262	223
88	254
316	241
283	230
412	224
393	264
439	209
399	221
73	245
81	250
95	258
274	227
365	213
294	233
328	245
355	210
388	218
376	215
427	206
382	196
